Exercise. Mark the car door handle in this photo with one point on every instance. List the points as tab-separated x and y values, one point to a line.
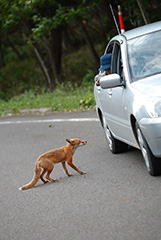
110	92
99	89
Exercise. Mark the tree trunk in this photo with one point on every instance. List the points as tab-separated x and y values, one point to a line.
89	42
56	51
44	66
1	56
143	11
45	69
15	50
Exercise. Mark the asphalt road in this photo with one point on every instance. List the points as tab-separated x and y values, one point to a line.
116	200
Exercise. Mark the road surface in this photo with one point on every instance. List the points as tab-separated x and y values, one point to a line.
116	200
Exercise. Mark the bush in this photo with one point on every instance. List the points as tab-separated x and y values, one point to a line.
88	78
87	102
19	77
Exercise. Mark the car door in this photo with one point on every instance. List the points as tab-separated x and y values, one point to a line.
113	101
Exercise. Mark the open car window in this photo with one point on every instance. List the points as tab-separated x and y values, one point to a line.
116	62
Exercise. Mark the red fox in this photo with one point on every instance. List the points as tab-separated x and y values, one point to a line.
45	162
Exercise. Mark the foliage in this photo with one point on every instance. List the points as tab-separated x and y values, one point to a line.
87	102
64	98
88	78
19	77
41	23
64	12
44	14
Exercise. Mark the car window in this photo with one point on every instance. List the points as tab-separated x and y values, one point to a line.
117	66
116	62
109	49
144	55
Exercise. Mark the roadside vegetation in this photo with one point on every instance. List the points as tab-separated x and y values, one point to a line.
66	97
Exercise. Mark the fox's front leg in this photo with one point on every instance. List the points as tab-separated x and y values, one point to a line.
65	169
75	168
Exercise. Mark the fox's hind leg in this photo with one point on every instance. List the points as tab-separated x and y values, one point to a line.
42	174
49	170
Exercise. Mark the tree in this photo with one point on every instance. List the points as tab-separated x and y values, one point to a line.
22	14
43	21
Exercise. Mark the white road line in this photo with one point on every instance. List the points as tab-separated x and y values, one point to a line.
52	120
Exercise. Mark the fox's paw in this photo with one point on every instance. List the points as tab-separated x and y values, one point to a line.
83	173
69	174
56	180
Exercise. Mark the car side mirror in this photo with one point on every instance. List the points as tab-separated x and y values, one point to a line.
111	81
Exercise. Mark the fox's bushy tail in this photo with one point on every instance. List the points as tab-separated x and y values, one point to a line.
35	178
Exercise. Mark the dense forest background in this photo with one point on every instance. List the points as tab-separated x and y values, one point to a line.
44	43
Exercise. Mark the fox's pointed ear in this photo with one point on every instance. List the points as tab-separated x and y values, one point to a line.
68	140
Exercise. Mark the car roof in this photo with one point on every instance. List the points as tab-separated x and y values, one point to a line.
136	32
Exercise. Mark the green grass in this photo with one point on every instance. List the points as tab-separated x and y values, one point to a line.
62	99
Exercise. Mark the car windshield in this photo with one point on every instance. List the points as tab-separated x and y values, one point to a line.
144	54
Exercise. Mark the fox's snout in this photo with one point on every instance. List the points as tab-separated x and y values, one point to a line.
84	142
76	142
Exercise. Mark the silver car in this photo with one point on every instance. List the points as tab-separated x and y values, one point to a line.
128	101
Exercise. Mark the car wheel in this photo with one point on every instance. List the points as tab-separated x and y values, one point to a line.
152	163
115	145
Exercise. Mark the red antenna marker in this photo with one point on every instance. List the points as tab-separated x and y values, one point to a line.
121	19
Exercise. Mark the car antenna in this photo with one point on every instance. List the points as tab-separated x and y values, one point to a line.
121	19
114	19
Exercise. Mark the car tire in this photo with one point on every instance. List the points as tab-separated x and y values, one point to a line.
152	163
115	145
